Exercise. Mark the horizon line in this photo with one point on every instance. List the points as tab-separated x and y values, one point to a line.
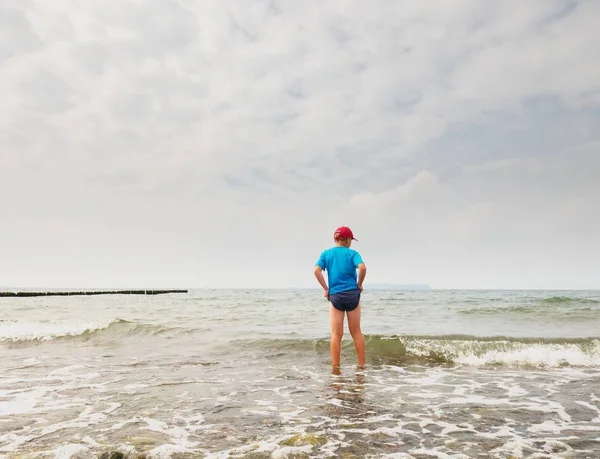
389	287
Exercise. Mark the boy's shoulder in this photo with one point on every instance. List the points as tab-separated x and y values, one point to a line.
353	251
338	249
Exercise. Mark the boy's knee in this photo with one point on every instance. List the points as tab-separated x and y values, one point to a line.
337	334
355	331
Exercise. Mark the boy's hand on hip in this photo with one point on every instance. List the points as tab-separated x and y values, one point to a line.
326	293
360	287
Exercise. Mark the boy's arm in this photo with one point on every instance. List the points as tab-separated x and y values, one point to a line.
362	272
321	279
362	269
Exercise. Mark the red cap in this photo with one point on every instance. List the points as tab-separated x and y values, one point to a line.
344	232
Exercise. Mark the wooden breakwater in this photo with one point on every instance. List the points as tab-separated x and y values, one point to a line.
92	292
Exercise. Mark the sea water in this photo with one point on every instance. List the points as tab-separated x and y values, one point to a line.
246	373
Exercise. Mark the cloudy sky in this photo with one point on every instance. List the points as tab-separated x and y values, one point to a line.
202	143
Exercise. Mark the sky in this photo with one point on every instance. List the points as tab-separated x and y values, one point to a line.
211	144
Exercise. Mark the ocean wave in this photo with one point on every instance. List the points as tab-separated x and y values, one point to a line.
556	305
500	310
37	332
572	313
503	351
569	299
462	350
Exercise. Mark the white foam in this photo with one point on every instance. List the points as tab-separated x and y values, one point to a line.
398	456
591	407
514	447
258	447
90	442
502	431
513	390
23	401
426	394
397	369
12	441
539	355
478	400
113	407
69	450
549	407
437	454
132	388
546	426
194	423
556	445
336	402
286	451
166	451
179	435
46	331
476	353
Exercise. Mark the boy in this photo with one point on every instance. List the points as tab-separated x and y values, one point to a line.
343	292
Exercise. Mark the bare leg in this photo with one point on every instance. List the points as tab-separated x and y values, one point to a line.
356	332
336	319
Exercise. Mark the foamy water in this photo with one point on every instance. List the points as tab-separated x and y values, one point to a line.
45	331
246	374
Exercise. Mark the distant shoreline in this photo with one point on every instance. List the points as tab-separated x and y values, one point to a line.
90	292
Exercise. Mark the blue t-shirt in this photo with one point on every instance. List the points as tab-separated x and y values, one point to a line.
340	264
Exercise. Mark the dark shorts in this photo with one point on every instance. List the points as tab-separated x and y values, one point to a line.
345	301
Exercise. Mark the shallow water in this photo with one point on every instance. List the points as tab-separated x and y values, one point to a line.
450	374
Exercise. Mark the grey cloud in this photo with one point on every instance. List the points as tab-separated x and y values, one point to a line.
18	35
95	58
152	28
12	142
130	106
561	10
45	92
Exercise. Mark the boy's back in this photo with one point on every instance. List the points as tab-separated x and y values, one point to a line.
340	264
343	292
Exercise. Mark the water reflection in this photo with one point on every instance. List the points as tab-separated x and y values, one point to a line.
345	393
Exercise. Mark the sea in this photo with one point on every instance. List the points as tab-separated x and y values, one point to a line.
247	374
